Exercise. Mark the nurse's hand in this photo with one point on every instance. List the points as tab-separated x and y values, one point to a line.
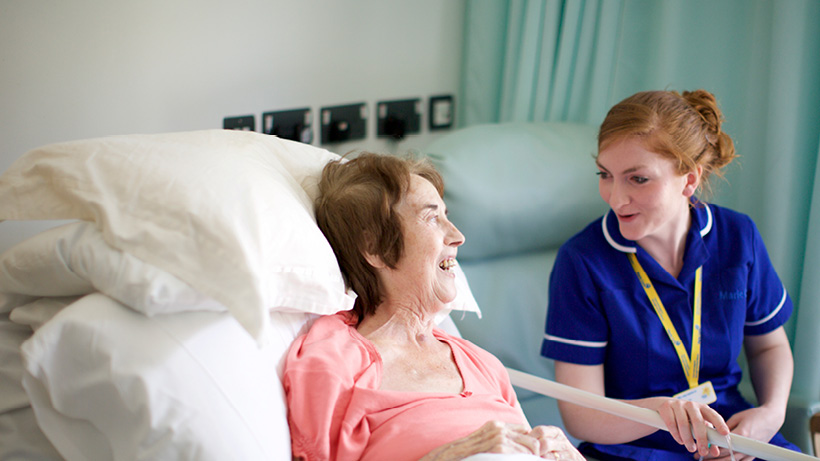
688	423
756	423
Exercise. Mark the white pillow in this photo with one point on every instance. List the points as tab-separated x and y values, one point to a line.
12	335
228	212
108	383
36	313
20	437
9	301
74	260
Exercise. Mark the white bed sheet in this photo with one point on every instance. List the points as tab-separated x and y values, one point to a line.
503	457
20	437
108	383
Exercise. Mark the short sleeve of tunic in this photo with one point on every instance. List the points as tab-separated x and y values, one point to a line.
768	304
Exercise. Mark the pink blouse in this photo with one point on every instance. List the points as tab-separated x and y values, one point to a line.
337	412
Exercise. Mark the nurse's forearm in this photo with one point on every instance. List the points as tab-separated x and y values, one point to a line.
593	425
771	367
600	427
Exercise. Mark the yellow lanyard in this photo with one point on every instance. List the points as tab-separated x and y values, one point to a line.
691	366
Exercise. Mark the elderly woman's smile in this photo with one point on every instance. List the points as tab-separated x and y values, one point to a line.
448	264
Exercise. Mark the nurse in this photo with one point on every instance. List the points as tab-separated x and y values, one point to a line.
652	302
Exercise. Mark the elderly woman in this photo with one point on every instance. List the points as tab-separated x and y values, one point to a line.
381	381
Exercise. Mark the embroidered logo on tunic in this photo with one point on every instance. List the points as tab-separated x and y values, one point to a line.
732	295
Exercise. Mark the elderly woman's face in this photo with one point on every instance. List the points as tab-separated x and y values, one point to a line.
425	270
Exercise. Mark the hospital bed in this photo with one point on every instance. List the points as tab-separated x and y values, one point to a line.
153	324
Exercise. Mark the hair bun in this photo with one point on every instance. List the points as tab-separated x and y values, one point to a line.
706	105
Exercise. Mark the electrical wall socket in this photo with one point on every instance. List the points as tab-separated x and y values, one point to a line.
344	123
441	112
243	122
399	118
295	124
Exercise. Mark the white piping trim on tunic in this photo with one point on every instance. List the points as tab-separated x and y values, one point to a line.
626	249
612	242
575	342
769	317
708	225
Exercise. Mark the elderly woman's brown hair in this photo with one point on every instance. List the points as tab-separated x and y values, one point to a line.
356	212
683	127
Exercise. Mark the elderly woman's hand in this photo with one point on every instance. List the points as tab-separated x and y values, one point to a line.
553	444
549	442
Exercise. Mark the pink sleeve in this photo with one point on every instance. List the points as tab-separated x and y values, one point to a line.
313	395
321	369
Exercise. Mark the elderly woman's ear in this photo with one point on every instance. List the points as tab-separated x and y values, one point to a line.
374	260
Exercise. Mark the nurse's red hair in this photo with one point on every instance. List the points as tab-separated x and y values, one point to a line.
683	127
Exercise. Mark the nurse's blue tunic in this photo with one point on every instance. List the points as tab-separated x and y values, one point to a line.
599	314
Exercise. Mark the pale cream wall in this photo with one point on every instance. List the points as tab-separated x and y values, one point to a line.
85	68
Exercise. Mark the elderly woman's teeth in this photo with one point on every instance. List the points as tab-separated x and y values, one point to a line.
447	264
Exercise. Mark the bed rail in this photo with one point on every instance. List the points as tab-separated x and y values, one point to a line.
646	416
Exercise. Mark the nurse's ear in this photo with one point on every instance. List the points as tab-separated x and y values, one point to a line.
692	181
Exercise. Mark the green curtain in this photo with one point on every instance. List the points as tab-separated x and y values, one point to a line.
538	60
807	332
570	60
